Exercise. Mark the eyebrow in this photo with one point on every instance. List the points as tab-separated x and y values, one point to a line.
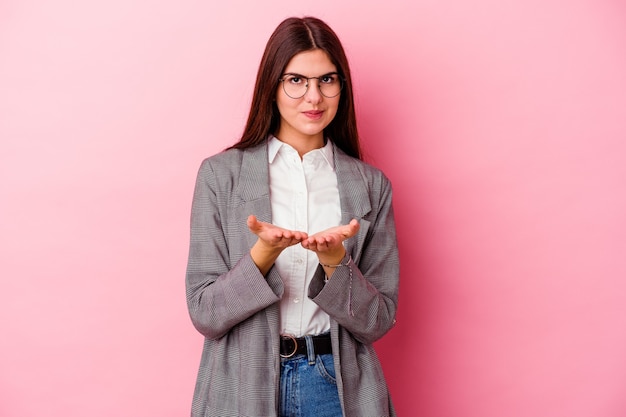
304	76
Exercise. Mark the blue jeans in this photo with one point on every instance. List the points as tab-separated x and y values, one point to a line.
308	387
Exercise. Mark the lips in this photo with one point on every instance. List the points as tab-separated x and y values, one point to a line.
313	114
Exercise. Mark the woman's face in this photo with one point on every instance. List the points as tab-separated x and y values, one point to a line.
303	120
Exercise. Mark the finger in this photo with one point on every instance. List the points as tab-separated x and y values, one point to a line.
309	243
354	226
300	236
253	223
350	229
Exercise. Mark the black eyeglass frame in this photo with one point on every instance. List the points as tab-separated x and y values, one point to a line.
319	84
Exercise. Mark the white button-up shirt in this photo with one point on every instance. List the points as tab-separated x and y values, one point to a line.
305	197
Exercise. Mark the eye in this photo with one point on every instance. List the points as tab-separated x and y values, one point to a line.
328	79
294	79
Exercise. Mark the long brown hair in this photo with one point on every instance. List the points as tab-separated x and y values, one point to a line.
292	36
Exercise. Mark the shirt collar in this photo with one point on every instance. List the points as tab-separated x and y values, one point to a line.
274	145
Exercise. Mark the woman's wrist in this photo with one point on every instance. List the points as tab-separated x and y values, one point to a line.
331	261
264	256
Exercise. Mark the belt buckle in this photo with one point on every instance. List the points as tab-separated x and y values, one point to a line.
295	346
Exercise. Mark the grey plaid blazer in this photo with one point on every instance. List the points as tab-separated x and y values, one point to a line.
236	309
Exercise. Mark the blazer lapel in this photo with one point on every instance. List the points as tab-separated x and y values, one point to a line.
253	188
354	198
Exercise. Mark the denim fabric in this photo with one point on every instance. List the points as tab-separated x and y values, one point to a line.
308	387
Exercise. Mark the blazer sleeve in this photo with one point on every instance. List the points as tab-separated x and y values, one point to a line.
363	298
221	295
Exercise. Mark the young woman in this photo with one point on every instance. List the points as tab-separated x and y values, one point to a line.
293	263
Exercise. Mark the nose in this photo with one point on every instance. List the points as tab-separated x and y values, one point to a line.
313	94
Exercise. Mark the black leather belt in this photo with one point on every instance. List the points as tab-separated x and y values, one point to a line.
290	346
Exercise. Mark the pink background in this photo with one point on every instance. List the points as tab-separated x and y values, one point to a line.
502	125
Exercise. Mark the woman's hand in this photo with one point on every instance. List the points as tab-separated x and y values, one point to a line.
328	244
271	242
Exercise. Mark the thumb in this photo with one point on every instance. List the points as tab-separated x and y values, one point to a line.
252	222
354	227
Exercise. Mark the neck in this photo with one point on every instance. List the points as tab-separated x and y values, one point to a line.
302	144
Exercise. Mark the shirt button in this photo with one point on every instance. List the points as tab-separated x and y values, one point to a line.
296	300
299	261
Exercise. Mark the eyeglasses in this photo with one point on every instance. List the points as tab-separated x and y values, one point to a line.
296	85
